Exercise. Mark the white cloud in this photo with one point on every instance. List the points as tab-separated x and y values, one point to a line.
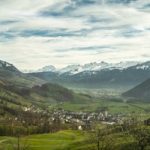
123	30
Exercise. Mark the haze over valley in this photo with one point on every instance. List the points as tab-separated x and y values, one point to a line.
74	75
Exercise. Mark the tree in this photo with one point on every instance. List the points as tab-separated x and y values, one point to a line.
20	144
140	133
142	137
103	139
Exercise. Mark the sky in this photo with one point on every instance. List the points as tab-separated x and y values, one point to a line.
37	33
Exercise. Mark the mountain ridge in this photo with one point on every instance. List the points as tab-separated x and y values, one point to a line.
9	73
93	66
125	74
141	91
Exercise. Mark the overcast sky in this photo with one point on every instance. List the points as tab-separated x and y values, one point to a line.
35	33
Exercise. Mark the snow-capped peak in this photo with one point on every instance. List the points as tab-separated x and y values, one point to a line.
143	66
126	64
72	69
49	68
95	66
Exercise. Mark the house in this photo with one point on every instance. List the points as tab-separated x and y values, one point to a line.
80	127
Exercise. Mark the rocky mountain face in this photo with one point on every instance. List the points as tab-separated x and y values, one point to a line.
5	66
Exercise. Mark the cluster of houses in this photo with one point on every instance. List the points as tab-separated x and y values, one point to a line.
82	120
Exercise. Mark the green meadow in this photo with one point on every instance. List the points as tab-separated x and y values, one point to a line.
113	107
71	140
62	140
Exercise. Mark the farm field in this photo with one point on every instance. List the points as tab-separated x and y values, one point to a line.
113	107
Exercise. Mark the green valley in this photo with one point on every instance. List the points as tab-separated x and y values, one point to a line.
36	114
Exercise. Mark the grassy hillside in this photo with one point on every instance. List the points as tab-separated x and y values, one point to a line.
118	137
19	79
11	74
141	91
52	95
63	140
19	90
54	91
38	95
28	110
25	101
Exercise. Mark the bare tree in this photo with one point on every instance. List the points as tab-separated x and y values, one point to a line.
19	144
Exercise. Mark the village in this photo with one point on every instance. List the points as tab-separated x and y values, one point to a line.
81	120
84	120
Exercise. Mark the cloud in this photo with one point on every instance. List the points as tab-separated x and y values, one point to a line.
60	32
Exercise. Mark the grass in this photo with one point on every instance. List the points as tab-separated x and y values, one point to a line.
68	140
114	107
63	140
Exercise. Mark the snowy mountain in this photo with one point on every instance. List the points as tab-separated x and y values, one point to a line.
144	66
49	68
94	66
71	69
99	75
125	65
75	69
109	66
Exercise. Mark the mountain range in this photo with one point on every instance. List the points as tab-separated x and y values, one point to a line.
123	75
40	89
97	75
94	66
